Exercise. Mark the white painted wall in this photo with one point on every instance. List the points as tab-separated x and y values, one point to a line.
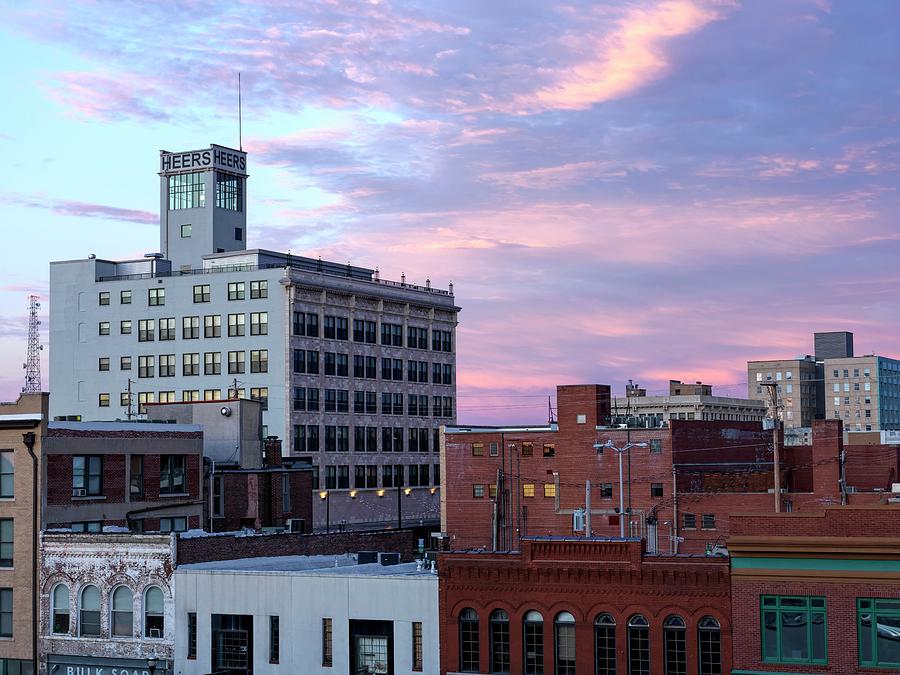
301	600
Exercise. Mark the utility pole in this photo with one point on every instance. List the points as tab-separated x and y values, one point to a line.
620	451
128	412
776	450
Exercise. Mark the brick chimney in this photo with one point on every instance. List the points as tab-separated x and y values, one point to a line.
272	450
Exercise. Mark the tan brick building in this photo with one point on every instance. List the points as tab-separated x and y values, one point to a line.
797	389
17	509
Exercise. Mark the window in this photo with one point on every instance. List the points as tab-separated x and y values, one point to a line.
167	329
638	646
274	639
192	635
709	521
186	231
261	394
235	362
674	631
125	327
154	617
690	521
527	449
565	643
103	400
212	326
417	647
104	328
124	400
171	474
528	490
392	334
6	612
605	644
326	643
104	298
187	191
146	366
228	192
878	624
87	475
156	297
259	323
793	629
212	363
441	341
59	601
167	365
136	476
236	325
122	613
655	446
190	327
6	542
306	323
201	293
533	643
656	489
7	474
549	489
499	655
212	394
89	617
259	360
259	289
710	646
236	290
478	490
468	641
125	298
477	449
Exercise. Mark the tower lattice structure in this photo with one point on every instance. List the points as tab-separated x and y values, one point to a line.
33	361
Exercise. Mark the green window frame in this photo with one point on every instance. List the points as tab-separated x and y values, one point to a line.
801	620
886	615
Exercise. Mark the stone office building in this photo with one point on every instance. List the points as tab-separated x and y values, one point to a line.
356	372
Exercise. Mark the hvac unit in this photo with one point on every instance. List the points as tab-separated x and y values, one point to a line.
895	488
389	559
296	525
578	520
79	492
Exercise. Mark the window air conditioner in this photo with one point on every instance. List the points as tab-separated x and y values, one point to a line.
79	492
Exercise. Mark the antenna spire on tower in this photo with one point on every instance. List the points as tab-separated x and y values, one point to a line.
240	134
33	361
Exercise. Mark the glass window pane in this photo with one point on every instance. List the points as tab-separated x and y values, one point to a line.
793	636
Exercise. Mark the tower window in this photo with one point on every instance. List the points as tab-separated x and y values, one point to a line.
229	192
238	234
185	230
187	191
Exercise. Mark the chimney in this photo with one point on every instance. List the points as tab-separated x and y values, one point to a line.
272	450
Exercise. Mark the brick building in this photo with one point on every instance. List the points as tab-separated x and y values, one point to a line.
143	476
106	602
18	510
583	606
816	592
503	483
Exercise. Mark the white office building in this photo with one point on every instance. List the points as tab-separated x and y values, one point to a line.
356	373
305	614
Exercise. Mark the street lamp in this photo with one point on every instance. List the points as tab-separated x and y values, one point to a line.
323	495
620	451
152	662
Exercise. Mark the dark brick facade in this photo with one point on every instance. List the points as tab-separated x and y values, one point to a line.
233	547
586	578
255	498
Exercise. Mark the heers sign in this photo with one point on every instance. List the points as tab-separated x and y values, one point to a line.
215	157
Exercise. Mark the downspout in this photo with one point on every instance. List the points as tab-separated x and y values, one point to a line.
29	439
674	511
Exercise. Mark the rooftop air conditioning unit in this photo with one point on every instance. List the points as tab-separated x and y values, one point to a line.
895	488
851	489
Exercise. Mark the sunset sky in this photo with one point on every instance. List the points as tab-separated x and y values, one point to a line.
644	190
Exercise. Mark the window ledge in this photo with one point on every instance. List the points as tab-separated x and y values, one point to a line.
89	498
168	495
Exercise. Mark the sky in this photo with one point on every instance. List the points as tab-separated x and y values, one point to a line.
645	190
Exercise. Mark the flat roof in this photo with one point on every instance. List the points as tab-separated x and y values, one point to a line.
343	565
157	427
507	429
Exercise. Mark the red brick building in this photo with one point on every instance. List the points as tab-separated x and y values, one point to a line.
583	607
504	483
816	592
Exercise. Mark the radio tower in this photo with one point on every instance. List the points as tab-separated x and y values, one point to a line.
33	363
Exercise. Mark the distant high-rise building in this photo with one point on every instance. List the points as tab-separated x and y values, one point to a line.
796	383
833	345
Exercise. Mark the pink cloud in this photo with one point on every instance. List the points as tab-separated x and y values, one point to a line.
78	209
625	59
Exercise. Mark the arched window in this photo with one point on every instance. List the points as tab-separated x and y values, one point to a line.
89	621
533	641
638	646
499	641
605	644
710	646
122	619
565	643
674	636
154	616
59	601
468	641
